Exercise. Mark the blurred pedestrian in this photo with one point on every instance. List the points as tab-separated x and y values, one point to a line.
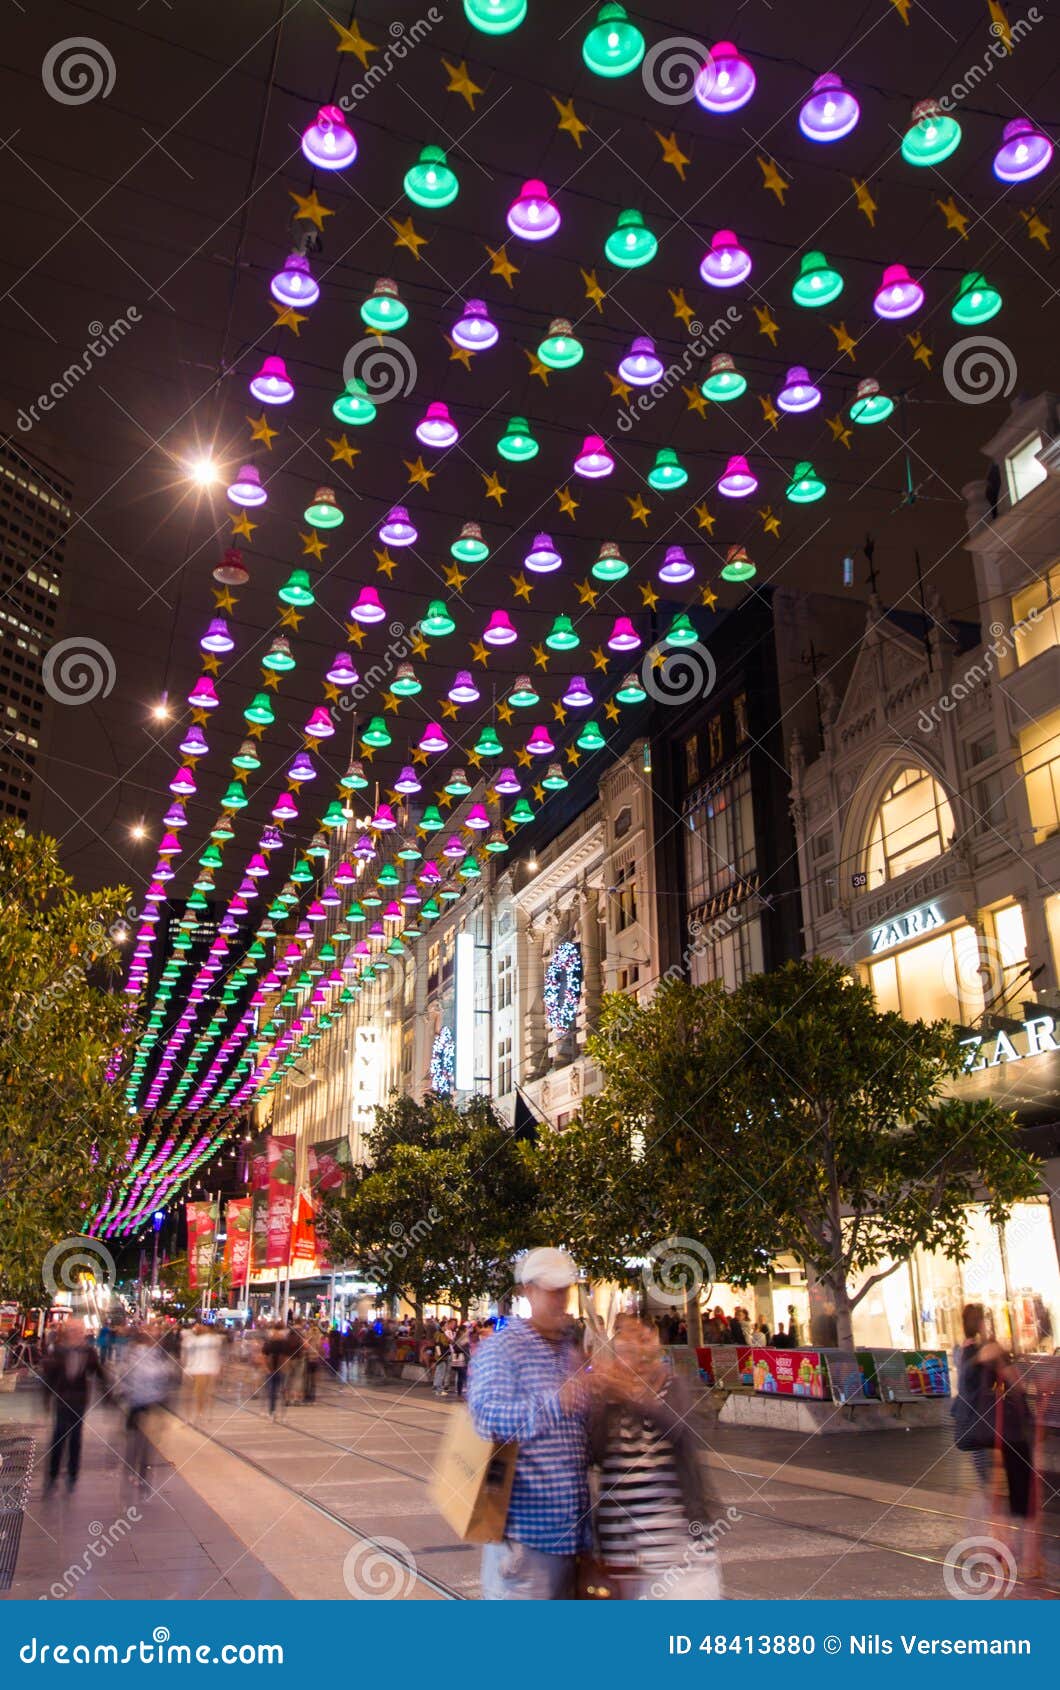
201	1360
149	1379
66	1369
312	1357
459	1357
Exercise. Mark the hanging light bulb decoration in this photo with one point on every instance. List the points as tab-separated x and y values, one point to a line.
610	565
631	691
431	182
397	529
817	283
495	17
897	295
562	635
798	393
1025	151
737	566
232	571
217	640
499	630
203	695
272	385
368	607
631	243
805	486
724	381
507	783
542	558
830	111
727	80
302	769
341	671
681	631
279	657
540	744
577	696
295	285
676	567
667	473
323	510
328	142
437	428
561	349
641	364
517	444
476	331
437	622
726	262
532	216
469	545
192	745
932	136
976	301
384	309
463	689
738	480
623	635
614	46
297	590
406	683
594	460
245	490
524	694
353	405
870	405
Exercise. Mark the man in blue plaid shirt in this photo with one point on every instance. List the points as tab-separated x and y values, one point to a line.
525	1386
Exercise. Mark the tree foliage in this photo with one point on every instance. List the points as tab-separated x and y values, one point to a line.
63	1126
446	1199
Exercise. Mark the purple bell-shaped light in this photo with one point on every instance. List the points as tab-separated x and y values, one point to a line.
295	285
1025	151
641	364
830	111
798	393
475	331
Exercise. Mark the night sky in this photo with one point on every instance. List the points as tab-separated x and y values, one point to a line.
167	201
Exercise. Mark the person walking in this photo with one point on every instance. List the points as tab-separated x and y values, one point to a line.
66	1370
459	1358
525	1387
276	1353
150	1376
201	1360
312	1354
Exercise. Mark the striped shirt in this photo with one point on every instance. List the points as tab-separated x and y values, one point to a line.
513	1393
640	1515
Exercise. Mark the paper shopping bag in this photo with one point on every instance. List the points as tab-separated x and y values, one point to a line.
472	1481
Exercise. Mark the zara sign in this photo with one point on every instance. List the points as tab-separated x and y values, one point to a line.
990	1050
903	927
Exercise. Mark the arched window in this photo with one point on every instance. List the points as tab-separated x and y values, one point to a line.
913	824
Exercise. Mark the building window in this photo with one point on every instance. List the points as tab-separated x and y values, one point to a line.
1042	600
691	760
504	982
433	959
728	952
504	1067
628	977
825	893
448	950
988	803
913	824
1023	472
407	1039
1010	939
625	899
937	980
981	750
739	716
1040	755
720	842
717	743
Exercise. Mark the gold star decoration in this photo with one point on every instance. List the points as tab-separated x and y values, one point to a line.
495	488
523	759
312	545
587	593
459	354
510	825
445	799
254	729
619	389
342	450
696	400
708	597
865	202
460	82
419	757
211	664
902	8
839	430
287	317
419	474
453	578
558	712
385	564
772	180
704	518
672	153
594	293
223	599
539	792
682	310
271	681
355	634
310	209
766	325
473	758
391	703
407	236
569	121
770	523
540	656
649	598
331	693
611	710
505	713
352	41
242	525
845	341
480	652
600	658
956	219
537	368
638	510
769	410
567	502
1036	229
501	264
291	618
260	430
523	587
367	751
1000	26
448	710
418	645
922	352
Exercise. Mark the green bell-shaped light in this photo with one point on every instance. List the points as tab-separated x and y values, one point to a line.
495	17
976	301
353	405
590	738
355	779
932	136
211	858
259	711
555	780
805	486
384	309
323	511
562	636
297	590
610	565
816	283
561	349
235	798
222	829
457	785
431	819
668	472
524	694
405	684
870	405
389	876
377	734
469	545
614	46
630	243
469	869
302	873
334	815
631	691
278	658
724	381
488	745
429	910
681	631
431	181
737	566
517	444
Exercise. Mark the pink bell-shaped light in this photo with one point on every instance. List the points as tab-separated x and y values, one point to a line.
245	490
577	696
727	262
257	866
203	695
453	848
398	529
319	725
316	912
430	873
623	636
285	809
194	742
726	81
594	460
897	295
539	744
345	874
437	428
477	817
170	845
384	818
738	481
532	215
272	385
342	672
183	783
295	285
499	630
367	607
217	639
328	142
155	894
433	739
407	781
463	689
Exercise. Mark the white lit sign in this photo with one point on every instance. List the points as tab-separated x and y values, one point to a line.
991	1050
465	1011
904	927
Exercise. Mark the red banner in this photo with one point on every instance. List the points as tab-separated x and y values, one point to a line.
281	1200
237	1239
202	1242
303	1235
259	1202
329	1163
785	1373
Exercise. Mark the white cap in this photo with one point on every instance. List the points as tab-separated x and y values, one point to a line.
552	1269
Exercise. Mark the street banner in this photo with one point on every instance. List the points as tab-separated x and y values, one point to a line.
237	1238
785	1373
329	1163
281	1200
303	1233
259	1201
202	1242
844	1375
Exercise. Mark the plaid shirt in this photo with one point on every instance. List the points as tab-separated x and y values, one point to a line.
513	1392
